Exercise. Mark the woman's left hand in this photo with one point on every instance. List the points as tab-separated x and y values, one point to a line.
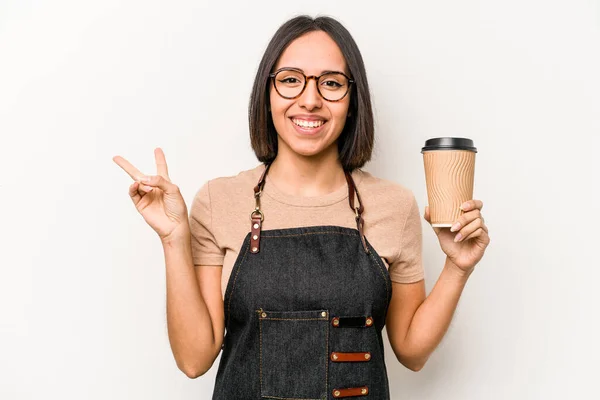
466	241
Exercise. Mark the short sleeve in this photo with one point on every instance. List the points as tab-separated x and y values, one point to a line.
205	249
408	266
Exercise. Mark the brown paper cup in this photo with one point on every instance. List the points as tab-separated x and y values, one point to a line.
449	174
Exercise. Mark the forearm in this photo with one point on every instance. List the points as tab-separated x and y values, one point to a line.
433	317
190	328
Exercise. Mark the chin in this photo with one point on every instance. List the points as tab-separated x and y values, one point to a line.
310	151
307	152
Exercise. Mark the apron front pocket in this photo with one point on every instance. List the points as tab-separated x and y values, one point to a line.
293	354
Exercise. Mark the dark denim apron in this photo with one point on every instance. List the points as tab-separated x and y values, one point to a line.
304	311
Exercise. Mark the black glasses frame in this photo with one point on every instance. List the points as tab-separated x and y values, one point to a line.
306	78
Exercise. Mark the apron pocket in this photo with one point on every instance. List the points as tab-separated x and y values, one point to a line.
293	354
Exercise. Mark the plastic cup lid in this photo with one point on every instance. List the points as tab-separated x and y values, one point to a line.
449	143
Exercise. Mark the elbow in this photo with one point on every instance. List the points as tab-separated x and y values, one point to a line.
194	371
197	368
413	364
197	364
415	367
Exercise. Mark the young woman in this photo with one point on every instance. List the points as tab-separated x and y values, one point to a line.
293	268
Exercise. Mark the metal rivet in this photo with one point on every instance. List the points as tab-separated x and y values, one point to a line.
264	315
364	391
255	226
367	356
254	249
336	393
336	322
323	314
255	237
334	356
369	321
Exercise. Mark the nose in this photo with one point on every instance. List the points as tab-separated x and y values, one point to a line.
310	98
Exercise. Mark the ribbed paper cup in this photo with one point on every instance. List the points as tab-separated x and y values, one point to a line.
449	173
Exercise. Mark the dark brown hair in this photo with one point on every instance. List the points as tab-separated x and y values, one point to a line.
355	143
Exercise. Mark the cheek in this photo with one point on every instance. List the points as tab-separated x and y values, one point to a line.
278	106
340	111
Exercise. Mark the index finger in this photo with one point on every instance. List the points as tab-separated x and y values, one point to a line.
472	204
133	172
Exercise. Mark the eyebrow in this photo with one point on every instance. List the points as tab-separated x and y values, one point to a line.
327	71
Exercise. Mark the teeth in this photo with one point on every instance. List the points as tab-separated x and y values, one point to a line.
308	124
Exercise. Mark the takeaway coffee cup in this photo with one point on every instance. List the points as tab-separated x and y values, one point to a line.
449	173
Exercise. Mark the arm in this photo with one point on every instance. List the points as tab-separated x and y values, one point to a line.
415	324
194	308
195	317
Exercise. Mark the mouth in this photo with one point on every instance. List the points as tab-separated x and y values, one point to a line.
308	126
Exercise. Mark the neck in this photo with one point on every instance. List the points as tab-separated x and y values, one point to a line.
299	175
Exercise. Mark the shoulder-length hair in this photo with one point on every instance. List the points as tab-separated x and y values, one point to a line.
355	143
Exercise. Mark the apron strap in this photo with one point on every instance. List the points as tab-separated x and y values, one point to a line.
257	217
357	210
261	182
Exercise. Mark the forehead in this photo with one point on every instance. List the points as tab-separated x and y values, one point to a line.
313	53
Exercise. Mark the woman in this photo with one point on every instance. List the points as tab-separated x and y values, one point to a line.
330	253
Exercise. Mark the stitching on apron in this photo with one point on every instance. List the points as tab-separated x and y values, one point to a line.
326	352
384	278
309	233
326	357
233	287
289	398
380	351
260	357
294	319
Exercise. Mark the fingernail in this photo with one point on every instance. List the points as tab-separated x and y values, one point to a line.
455	227
464	207
457	237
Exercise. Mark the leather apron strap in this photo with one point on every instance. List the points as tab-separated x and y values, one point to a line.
257	217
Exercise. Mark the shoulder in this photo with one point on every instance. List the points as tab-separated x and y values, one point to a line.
383	192
241	183
390	209
228	192
233	184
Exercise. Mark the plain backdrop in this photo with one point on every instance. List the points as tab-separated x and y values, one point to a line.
82	284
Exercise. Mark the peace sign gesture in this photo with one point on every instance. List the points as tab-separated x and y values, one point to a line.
156	198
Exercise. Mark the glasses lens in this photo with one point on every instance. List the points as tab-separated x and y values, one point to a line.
333	86
289	83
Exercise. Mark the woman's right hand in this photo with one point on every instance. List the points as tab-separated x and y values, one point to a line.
156	198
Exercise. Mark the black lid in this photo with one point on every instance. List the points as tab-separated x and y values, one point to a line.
449	143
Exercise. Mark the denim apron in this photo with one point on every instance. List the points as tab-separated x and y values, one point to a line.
304	311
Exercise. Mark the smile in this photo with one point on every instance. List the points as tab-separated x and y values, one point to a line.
307	124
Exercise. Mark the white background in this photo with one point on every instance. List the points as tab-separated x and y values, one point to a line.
82	284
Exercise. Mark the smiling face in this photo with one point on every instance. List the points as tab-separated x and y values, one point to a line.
310	125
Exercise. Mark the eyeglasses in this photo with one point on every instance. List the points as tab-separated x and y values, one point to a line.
291	82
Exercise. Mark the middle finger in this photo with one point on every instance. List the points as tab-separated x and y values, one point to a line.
161	163
469	229
466	218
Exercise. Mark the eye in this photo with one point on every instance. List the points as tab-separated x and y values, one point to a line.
289	80
332	84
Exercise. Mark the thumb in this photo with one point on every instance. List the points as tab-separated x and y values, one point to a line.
159	182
